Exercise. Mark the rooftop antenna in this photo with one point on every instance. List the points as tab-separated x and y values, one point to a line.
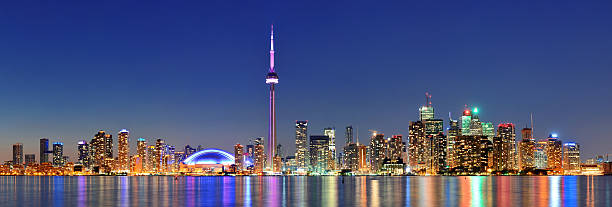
427	99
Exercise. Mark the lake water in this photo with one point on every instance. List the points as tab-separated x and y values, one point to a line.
306	191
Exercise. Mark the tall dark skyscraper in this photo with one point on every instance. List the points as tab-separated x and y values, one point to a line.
18	154
44	150
83	151
272	80
349	135
527	150
301	144
504	148
319	153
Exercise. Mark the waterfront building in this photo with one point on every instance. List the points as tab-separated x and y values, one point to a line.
141	152
540	158
150	161
504	148
319	153
18	154
527	150
331	133
290	164
453	131
259	156
44	150
58	154
123	151
362	154
571	158
278	164
467	154
98	147
394	148
160	152
437	158
418	148
272	80
378	150
554	154
83	153
239	157
30	159
351	157
207	161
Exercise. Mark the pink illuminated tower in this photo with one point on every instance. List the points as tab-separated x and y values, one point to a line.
272	80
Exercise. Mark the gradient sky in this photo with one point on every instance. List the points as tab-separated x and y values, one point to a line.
194	73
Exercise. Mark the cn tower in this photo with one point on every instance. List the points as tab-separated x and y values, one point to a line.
272	80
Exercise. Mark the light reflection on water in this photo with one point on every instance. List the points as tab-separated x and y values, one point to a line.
473	191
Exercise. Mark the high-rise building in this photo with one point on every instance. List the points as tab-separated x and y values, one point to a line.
189	151
426	112
418	149
331	133
160	152
351	157
30	159
504	148
540	158
349	135
58	154
272	80
488	130
151	161
301	144
141	152
250	154
472	154
44	150
319	153
378	149
554	153
83	151
259	156
394	148
239	157
453	131
466	121
108	146
437	159
571	158
527	150
124	150
18	154
98	148
362	154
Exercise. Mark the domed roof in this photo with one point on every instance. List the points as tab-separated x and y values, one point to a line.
210	156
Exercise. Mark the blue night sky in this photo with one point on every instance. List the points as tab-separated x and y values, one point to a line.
194	73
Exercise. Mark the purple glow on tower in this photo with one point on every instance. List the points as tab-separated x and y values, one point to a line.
271	79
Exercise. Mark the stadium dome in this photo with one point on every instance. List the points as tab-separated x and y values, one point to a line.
210	157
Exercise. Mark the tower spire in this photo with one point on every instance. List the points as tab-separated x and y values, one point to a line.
272	49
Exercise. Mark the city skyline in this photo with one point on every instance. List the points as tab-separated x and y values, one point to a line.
369	82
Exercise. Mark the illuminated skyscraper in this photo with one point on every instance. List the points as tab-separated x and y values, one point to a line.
378	149
467	154
394	148
319	153
426	112
83	157
301	144
160	152
98	148
108	146
58	154
554	153
437	160
239	157
141	151
331	133
44	150
466	121
504	148
151	161
259	156
124	151
571	158
351	157
453	131
272	80
418	150
527	150
18	154
540	158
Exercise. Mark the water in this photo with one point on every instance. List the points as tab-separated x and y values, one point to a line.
306	191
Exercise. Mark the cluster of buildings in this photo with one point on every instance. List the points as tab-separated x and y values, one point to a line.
467	146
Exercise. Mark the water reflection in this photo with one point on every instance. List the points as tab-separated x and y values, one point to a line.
307	191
